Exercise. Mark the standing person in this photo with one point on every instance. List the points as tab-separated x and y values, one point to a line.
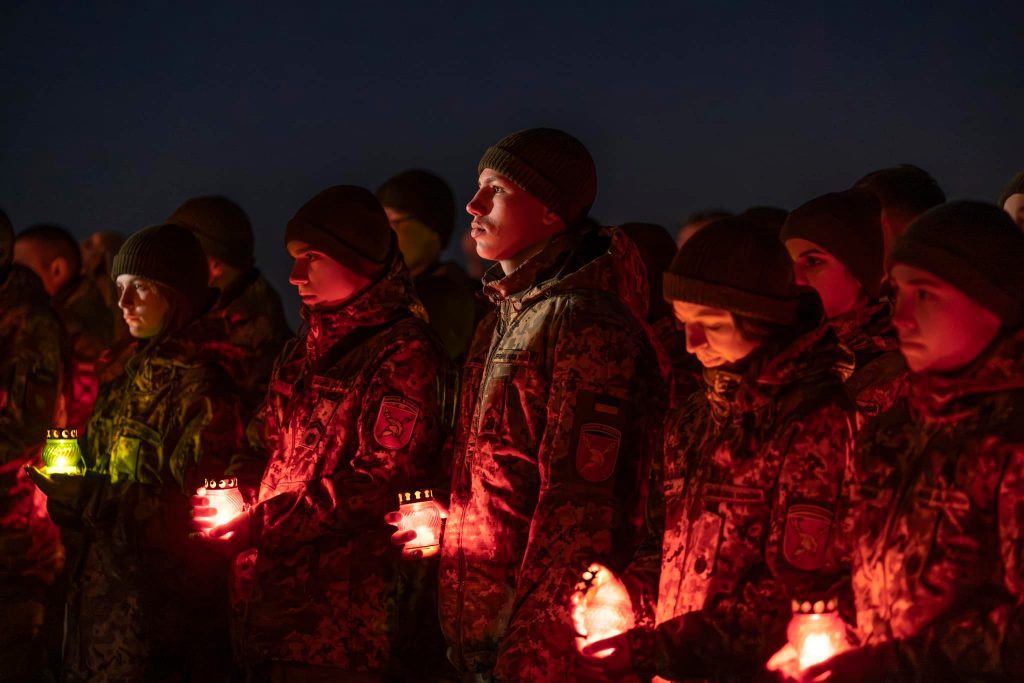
421	209
561	409
836	244
1012	199
246	327
30	382
53	254
938	480
905	192
752	468
354	417
142	605
98	252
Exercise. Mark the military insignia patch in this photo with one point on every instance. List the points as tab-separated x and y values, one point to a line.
597	450
806	536
395	423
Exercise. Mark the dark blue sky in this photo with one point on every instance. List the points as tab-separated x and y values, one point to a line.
111	117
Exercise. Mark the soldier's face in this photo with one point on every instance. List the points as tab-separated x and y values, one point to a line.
509	224
322	281
711	334
940	328
840	292
144	308
419	244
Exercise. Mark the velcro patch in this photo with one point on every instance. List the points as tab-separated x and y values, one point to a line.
512	356
597	450
806	536
396	421
730	493
943	499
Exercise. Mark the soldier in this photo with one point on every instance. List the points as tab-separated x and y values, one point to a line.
98	252
1012	199
421	210
836	244
938	480
30	377
353	418
53	254
561	409
905	192
141	605
752	469
246	327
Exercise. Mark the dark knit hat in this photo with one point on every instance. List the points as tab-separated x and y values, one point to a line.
551	165
170	255
1016	186
343	217
424	196
222	227
974	246
847	225
735	265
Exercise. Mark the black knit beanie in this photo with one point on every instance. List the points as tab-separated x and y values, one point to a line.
221	226
847	225
170	255
551	165
736	265
1016	186
424	196
346	218
974	246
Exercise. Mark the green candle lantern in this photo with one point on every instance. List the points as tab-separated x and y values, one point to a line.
61	455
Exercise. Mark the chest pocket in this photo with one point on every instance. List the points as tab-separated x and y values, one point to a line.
499	414
311	433
137	454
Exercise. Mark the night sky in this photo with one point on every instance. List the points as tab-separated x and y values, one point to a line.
111	117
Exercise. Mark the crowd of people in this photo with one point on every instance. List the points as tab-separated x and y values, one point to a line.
651	456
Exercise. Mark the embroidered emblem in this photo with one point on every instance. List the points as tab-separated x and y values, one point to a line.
597	450
806	536
395	423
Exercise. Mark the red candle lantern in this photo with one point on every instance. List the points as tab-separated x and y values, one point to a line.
420	513
601	608
224	497
816	632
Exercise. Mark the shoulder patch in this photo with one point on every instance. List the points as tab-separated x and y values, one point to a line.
597	450
806	535
396	421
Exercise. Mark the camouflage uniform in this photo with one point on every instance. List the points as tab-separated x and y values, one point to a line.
938	496
560	414
30	551
879	369
354	415
144	602
751	479
246	329
89	324
684	370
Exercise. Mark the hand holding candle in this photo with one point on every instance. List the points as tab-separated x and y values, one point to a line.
61	454
216	504
420	521
816	633
601	608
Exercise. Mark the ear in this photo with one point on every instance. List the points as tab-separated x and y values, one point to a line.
553	220
58	269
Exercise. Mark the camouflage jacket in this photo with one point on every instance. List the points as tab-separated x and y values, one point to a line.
30	378
559	417
938	493
444	291
89	324
751	478
879	369
246	329
354	416
141	595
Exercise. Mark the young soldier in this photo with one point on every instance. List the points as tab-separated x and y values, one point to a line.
353	417
938	480
30	376
421	210
560	412
905	192
246	327
836	244
53	254
752	469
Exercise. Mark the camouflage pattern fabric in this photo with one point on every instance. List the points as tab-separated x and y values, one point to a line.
751	478
559	418
246	329
145	603
937	487
354	415
880	371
